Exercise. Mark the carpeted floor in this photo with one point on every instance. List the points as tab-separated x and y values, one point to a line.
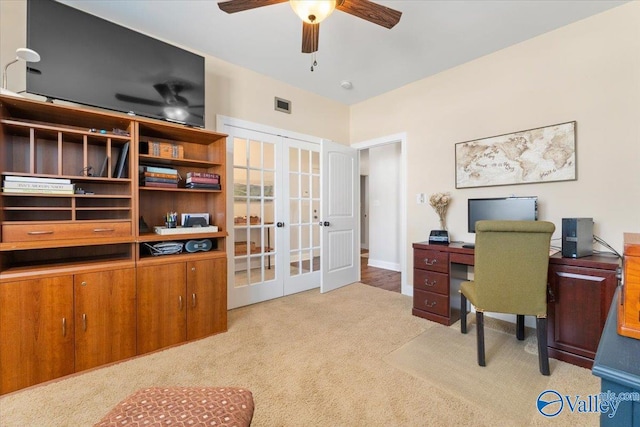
323	359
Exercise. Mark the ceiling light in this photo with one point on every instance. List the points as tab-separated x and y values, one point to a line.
313	11
346	84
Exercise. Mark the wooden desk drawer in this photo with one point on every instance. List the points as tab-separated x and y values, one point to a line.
431	302
426	259
56	231
431	281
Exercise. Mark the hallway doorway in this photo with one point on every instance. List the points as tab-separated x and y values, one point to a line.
388	280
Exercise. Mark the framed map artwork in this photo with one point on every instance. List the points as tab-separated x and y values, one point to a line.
536	155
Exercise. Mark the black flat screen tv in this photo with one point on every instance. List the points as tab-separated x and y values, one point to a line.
502	208
92	61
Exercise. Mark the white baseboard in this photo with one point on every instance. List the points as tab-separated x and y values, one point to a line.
384	264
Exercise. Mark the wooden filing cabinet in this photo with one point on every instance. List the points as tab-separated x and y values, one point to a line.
432	297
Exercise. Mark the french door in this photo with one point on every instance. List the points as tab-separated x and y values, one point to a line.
276	209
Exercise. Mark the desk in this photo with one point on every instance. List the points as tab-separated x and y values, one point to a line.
617	363
580	293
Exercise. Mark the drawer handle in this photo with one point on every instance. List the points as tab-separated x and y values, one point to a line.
103	230
428	262
429	304
37	233
428	283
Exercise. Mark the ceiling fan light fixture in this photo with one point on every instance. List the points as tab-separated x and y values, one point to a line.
313	11
176	113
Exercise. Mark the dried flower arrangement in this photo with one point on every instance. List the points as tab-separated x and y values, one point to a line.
440	202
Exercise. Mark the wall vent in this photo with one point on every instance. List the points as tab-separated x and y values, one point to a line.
282	105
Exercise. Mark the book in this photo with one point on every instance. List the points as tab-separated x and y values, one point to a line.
185	230
165	149
203	180
37	179
36	191
202	175
204	186
153	179
120	172
161	184
158	175
158	169
38	185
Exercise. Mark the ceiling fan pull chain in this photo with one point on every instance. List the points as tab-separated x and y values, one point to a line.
315	63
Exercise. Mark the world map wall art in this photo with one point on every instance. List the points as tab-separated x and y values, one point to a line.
543	154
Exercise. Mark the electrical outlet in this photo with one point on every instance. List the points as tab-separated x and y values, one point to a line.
421	198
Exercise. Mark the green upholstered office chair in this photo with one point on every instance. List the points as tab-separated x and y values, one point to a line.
510	276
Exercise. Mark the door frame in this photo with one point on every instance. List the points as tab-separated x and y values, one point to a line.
399	138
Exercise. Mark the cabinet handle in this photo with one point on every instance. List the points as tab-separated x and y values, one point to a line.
428	283
64	326
37	233
84	322
551	297
103	230
193	269
180	302
193	300
429	304
428	262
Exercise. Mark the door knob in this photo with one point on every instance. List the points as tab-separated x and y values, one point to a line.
280	224
326	223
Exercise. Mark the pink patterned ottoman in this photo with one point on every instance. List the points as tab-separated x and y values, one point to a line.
183	406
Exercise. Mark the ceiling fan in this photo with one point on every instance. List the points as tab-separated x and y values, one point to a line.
175	106
312	12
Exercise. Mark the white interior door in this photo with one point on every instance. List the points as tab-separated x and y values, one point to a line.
340	213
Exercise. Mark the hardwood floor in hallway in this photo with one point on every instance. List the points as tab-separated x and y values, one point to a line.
379	277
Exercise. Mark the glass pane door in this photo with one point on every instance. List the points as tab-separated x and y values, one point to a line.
304	215
254	210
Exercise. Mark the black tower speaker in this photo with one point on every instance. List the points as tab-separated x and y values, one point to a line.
577	237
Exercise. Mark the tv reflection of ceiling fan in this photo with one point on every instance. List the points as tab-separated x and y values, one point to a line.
312	12
175	106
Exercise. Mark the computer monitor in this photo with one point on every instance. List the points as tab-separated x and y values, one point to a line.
502	208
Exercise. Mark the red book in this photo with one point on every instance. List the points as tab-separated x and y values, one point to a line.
203	180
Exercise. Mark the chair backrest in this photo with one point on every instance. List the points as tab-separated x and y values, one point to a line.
511	263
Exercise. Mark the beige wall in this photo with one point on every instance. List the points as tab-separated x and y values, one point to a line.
588	72
231	90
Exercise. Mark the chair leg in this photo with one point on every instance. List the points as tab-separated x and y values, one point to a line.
543	353
520	327
480	336
463	313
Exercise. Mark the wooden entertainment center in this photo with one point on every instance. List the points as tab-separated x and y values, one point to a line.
78	287
580	292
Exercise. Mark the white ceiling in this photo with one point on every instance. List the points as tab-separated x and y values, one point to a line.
432	36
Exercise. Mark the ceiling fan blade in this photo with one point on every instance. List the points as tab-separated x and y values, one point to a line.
233	6
136	100
371	12
310	37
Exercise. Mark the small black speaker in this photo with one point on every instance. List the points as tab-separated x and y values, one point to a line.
577	237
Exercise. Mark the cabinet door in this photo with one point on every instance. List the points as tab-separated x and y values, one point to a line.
161	306
105	317
36	331
207	297
578	308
